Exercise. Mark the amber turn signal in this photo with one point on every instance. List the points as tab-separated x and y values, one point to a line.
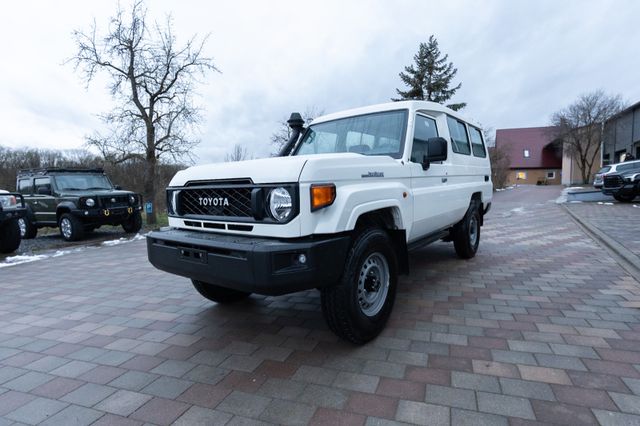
322	195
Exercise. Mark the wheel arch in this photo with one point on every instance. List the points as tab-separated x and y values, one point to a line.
63	208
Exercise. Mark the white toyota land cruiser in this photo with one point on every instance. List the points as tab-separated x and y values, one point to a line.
338	210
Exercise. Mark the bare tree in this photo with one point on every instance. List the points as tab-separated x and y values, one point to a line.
238	153
579	127
500	162
152	81
281	136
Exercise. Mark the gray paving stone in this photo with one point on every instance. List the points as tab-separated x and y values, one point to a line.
513	357
114	358
535	347
73	369
527	389
87	354
559	361
241	363
9	373
409	358
627	403
356	382
198	416
173	368
378	421
451	397
28	381
324	396
209	358
287	413
283	389
36	411
167	387
611	418
478	382
73	415
317	375
133	380
206	374
505	405
47	363
419	412
122	402
384	369
574	350
473	418
633	384
244	404
88	395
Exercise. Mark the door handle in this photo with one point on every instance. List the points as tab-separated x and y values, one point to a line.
444	180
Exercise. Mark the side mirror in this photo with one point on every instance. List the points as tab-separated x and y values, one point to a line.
44	190
436	151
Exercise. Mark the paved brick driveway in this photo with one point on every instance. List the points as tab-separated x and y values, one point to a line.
535	328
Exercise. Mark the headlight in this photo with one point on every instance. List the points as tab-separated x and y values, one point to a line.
280	204
7	201
132	199
90	202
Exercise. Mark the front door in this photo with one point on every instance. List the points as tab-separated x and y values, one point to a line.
44	203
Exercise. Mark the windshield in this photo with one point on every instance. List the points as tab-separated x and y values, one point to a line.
82	181
604	170
372	134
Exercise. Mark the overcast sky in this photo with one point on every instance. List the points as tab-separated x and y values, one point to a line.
518	61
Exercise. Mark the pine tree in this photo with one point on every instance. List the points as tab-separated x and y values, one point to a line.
430	77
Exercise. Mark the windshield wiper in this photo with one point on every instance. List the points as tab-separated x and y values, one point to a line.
98	187
72	189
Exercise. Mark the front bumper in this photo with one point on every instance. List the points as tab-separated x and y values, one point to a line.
624	190
105	215
14	212
250	264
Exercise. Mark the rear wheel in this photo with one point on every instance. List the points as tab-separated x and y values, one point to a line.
71	228
466	234
9	236
219	294
624	198
358	306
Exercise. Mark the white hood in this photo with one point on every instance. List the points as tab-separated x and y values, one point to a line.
265	170
323	167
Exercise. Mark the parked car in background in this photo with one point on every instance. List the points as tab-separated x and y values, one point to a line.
12	209
75	200
613	168
338	210
624	184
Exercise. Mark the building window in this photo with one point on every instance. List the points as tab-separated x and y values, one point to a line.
521	175
526	153
619	156
606	159
551	175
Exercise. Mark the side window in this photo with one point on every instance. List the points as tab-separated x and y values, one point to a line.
425	128
42	183
459	138
24	186
476	142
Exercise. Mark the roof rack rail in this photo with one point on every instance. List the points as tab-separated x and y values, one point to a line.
47	170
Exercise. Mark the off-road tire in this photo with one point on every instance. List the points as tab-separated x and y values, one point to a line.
219	294
624	198
342	303
75	231
9	236
133	223
466	233
30	230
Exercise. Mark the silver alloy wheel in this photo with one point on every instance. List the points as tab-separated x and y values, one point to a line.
473	230
66	227
373	284
23	227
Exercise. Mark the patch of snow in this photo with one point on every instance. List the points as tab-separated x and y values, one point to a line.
575	187
575	201
608	204
637	207
17	260
600	202
518	210
123	240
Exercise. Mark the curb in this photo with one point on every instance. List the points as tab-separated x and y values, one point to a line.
629	261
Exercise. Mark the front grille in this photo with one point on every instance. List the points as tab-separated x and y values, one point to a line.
614	181
114	201
229	202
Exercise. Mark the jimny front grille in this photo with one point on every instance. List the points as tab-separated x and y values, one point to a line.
111	202
220	202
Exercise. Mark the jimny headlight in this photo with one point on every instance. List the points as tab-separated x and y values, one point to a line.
280	204
132	199
90	202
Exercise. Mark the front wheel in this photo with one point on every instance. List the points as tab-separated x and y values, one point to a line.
71	228
27	229
9	236
624	198
219	294
133	223
466	234
358	306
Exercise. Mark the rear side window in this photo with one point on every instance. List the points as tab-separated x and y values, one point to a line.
24	186
476	143
425	128
459	138
625	167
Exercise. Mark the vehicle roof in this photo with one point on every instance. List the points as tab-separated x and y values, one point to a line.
413	106
55	170
624	162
